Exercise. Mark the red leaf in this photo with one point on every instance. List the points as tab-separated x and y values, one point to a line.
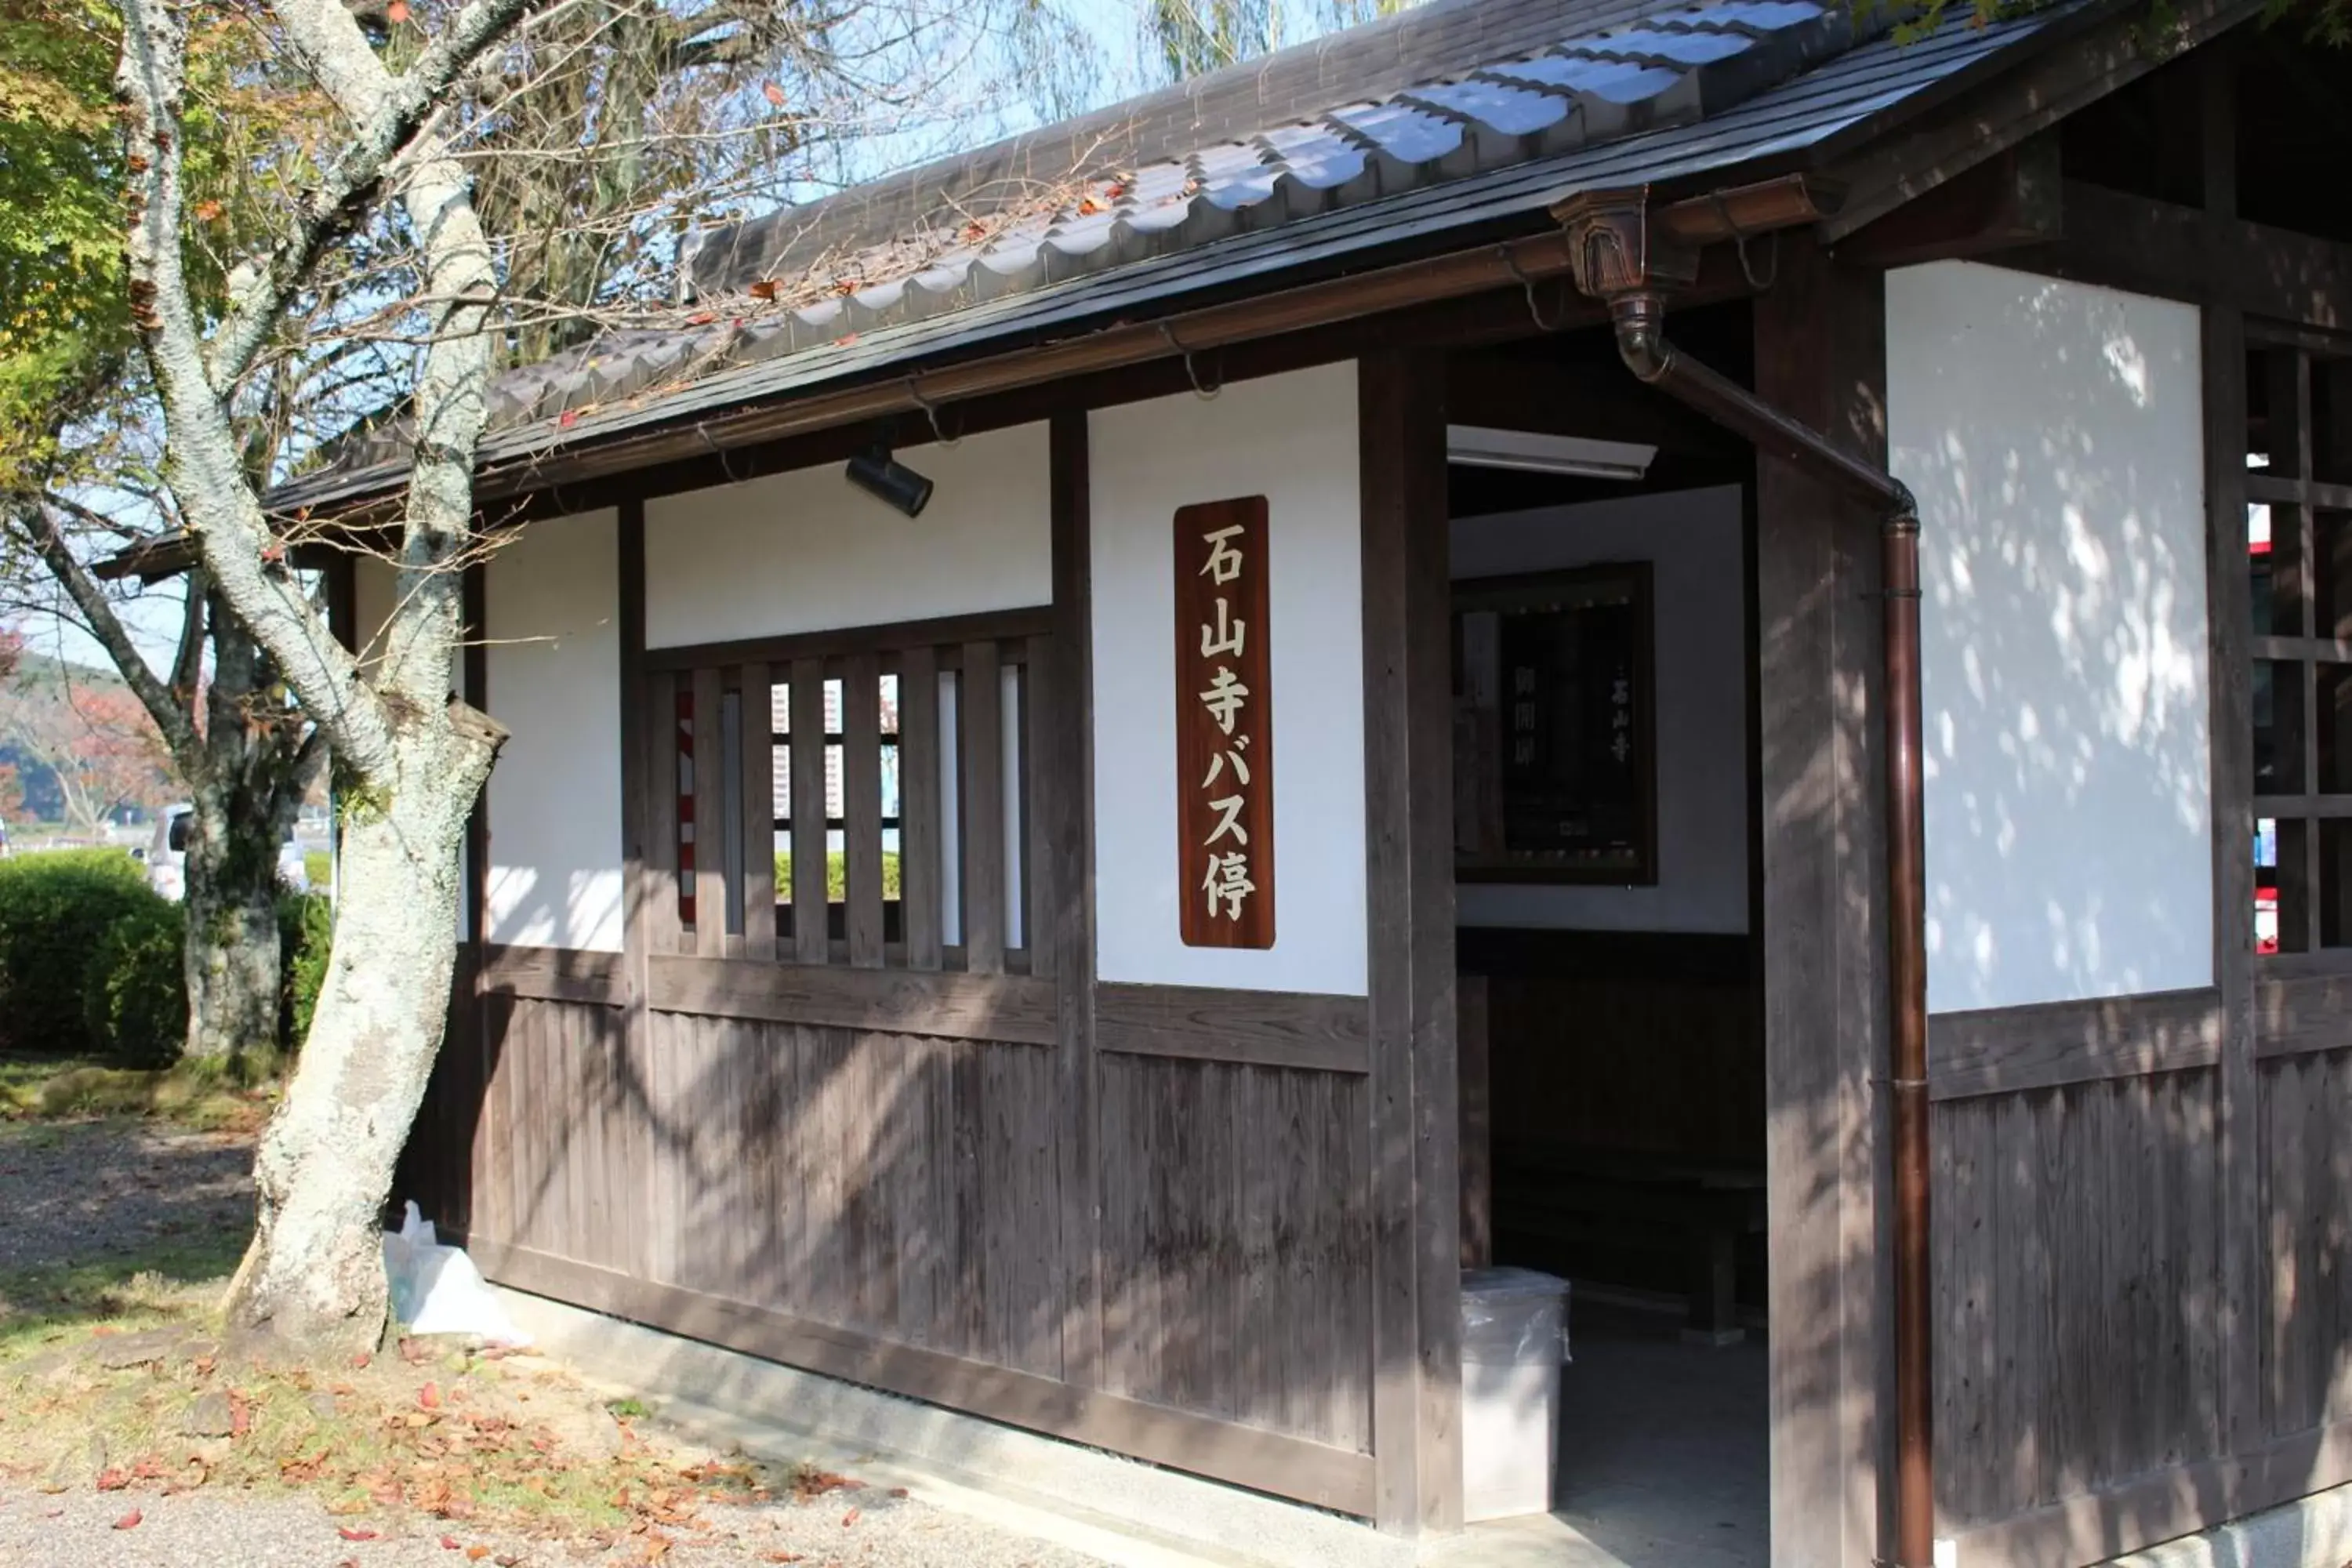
567	420
113	1480
129	1521
763	288
361	1359
849	1518
396	12
428	1397
348	1533
240	1414
775	94
449	1543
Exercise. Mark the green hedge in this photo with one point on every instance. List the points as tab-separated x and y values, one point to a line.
836	876
306	927
57	912
135	994
91	959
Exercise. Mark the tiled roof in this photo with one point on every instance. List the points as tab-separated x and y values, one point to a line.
1671	93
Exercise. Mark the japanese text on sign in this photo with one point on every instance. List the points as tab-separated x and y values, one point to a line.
1224	732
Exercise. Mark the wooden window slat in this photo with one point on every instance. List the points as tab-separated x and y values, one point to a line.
661	809
808	912
919	805
1037	795
756	806
709	817
861	807
980	726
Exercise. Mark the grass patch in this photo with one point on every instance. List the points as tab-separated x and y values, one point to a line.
319	867
168	1283
195	1093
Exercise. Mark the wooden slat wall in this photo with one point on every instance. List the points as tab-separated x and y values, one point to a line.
2307	1184
1236	1243
2078	1326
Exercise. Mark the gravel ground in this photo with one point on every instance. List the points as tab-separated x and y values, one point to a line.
77	1192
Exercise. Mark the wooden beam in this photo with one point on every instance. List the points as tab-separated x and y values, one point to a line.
1472	1041
849	641
2000	1050
556	974
1260	1028
2176	252
919	805
1885	171
1820	356
1408	881
1013	1009
2295	1015
2011	199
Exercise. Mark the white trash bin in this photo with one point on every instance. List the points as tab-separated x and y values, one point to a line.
1514	1339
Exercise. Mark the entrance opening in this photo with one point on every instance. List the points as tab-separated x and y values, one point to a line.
1602	544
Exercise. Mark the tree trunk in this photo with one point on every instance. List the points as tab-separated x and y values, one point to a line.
314	1276
231	957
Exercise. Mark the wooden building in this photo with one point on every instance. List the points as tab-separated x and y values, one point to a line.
1344	776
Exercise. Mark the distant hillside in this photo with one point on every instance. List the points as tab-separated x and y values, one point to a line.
56	713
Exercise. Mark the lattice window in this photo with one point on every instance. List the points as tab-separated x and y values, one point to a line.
911	846
2299	573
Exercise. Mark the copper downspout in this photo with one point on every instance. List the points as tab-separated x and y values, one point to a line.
1616	261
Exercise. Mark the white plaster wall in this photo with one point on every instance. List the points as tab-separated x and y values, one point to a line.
553	668
807	551
2053	434
1291	438
1699	608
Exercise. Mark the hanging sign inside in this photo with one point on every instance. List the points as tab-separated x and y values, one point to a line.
1225	726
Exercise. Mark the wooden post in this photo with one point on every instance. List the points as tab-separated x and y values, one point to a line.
643	887
1820	356
1062	706
1409	834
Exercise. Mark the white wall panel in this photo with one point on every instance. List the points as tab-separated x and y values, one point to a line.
1291	438
807	551
1699	591
554	673
2053	434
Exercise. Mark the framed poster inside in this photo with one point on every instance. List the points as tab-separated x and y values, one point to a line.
1555	760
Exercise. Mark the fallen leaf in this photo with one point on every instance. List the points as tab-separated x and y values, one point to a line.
849	1518
568	417
396	12
774	93
113	1480
348	1533
780	1555
897	1491
240	1414
428	1397
361	1359
763	288
448	1544
475	1553
508	1560
129	1521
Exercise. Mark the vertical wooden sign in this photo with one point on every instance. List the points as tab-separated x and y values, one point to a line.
1225	726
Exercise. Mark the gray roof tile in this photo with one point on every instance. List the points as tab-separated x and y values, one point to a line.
1692	86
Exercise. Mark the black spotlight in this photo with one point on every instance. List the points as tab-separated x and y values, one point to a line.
882	476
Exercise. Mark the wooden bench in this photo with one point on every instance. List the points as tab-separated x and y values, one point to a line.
1699	1211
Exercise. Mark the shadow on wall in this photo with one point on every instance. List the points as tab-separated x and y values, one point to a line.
2053	434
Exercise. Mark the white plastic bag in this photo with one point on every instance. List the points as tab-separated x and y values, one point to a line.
437	1290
